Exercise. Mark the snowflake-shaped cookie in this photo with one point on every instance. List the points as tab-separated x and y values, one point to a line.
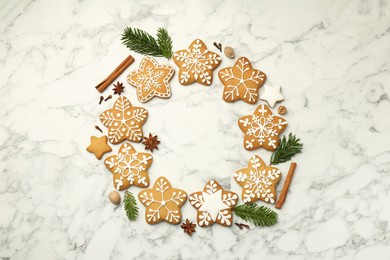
241	81
213	204
162	202
124	121
262	129
151	79
196	64
258	181
129	167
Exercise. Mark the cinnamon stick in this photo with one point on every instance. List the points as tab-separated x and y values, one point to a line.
118	71
286	185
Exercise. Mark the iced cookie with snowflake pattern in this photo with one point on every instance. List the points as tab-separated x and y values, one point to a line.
214	205
124	122
129	167
162	202
151	79
241	82
196	64
258	181
262	129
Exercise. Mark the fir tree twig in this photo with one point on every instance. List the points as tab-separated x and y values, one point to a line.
286	149
130	205
165	42
142	42
258	215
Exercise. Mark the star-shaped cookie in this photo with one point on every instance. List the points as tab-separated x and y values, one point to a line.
162	202
129	167
124	121
196	64
272	95
214	204
262	129
151	79
99	146
241	81
258	181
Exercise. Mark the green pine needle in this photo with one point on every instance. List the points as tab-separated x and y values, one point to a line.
258	215
130	206
165	42
142	42
287	149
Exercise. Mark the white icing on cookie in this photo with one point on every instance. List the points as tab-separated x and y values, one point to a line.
272	95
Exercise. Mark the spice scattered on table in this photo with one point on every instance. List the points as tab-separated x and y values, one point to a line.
242	225
115	74
188	227
218	46
286	186
114	197
98	128
282	110
151	142
118	88
229	52
107	98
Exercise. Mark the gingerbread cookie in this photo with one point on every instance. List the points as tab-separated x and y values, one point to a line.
196	64
151	79
214	204
258	181
124	121
129	167
262	129
162	202
241	81
99	146
272	95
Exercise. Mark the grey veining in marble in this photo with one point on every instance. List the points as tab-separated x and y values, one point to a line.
332	59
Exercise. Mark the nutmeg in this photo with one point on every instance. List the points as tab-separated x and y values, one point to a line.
229	52
282	110
114	197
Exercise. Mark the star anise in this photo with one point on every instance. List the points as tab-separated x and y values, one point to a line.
151	142
118	88
188	227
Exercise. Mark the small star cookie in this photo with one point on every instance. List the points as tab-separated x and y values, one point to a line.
99	146
272	95
151	79
124	121
241	81
162	202
129	167
196	64
214	205
258	181
262	129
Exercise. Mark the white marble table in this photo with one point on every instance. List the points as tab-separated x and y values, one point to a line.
332	59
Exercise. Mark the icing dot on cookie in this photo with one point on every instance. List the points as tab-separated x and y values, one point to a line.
123	129
128	113
131	122
118	114
116	124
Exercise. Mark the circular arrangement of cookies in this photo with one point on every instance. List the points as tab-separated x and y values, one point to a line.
261	129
